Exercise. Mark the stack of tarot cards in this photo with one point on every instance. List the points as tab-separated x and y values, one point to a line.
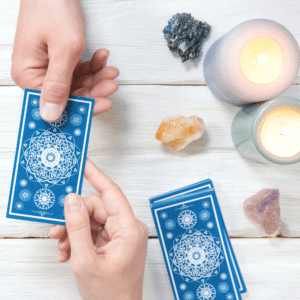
195	243
50	159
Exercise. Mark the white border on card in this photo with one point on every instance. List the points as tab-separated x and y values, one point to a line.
19	153
220	233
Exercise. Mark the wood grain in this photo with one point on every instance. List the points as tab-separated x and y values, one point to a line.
132	31
122	144
30	270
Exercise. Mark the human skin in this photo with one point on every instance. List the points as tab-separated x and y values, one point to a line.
49	42
106	243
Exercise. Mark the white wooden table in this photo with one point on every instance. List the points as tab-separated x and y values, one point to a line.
154	84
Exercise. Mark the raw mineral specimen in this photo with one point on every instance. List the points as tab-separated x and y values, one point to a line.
264	210
185	35
177	131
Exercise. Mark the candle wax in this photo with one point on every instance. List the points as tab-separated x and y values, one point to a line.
279	132
261	61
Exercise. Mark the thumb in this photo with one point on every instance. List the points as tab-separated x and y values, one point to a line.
56	85
78	227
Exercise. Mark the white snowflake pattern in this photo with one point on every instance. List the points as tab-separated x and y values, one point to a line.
206	292
169	235
44	198
170	224
77	132
229	296
34	102
196	255
223	287
205	204
25	195
183	286
61	200
81	109
69	189
188	295
19	206
31	125
76	120
164	215
223	276
187	219
23	182
35	113
204	215
210	225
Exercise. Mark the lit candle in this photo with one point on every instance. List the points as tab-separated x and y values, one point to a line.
269	131
256	61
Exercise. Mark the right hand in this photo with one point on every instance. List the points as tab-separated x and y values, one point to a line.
105	241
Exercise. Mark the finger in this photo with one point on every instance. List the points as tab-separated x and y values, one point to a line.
57	231
104	88
88	81
63	244
101	105
114	201
95	209
78	227
57	82
97	62
64	256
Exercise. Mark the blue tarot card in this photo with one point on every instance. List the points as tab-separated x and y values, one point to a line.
195	248
198	188
50	159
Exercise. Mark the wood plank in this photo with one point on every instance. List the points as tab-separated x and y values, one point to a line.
29	269
122	144
132	31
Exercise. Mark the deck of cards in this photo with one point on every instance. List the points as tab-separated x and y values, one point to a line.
50	159
196	246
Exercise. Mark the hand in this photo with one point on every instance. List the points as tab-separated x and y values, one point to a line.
105	241
49	42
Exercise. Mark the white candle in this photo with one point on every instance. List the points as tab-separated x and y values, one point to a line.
255	61
279	132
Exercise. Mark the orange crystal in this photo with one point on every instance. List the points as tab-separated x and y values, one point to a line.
178	131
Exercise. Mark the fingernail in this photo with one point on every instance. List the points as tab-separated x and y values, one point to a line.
73	203
52	228
51	111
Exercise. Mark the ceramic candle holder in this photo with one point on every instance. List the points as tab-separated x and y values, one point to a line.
256	61
269	131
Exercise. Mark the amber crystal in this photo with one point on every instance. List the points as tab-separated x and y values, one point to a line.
264	210
178	131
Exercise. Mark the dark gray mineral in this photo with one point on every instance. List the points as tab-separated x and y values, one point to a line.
185	35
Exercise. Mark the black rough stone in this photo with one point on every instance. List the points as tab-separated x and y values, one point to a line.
185	35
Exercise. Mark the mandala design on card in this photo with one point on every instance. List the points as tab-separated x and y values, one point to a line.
170	224
169	235
76	120
188	295
164	215
25	195
35	113
205	204
183	286
19	205
61	121
204	215
77	132
210	225
187	219
50	157
44	198
223	287
82	109
31	125
196	255
34	102
61	200
223	276
229	296
206	292
23	182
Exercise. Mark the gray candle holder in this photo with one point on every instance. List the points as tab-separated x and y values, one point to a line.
245	127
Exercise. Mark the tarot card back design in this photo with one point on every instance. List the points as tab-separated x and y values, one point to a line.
50	159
